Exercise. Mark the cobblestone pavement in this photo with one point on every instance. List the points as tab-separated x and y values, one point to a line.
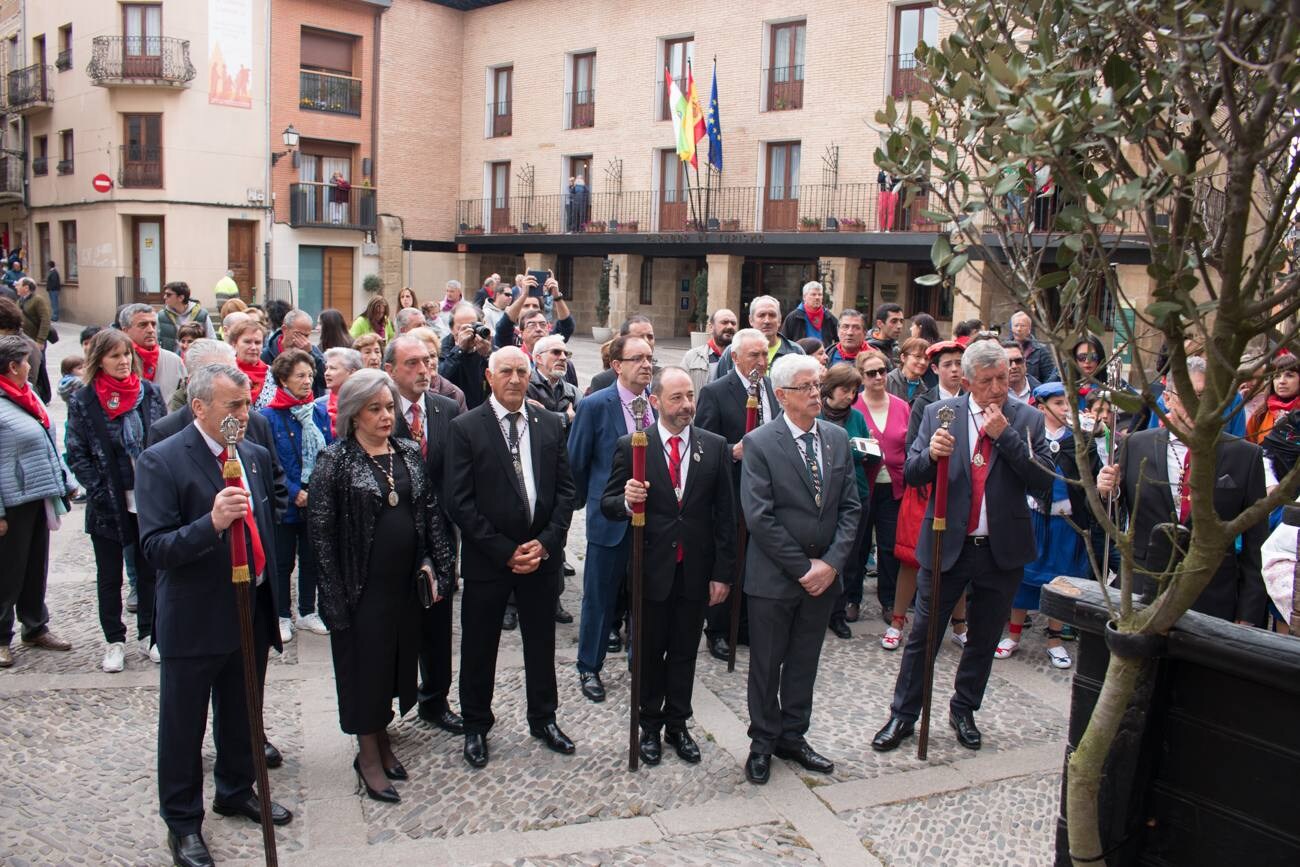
78	784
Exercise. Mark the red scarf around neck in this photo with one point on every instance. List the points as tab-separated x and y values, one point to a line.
815	317
284	400
25	398
715	348
116	396
256	373
1280	406
148	360
332	407
845	354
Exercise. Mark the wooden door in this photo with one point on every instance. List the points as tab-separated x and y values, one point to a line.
142	47
785	76
673	193
502	112
781	194
241	256
336	278
582	109
500	197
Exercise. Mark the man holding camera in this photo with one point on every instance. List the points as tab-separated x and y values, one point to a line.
465	353
531	298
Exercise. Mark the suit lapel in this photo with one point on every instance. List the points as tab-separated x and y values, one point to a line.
694	454
786	439
830	481
203	458
534	446
960	430
497	440
1161	469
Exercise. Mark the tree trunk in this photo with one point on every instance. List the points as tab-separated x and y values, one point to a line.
1087	763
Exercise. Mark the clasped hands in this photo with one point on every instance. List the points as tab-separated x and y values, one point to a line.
527	558
820	575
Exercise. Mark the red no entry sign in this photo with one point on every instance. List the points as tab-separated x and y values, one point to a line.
102	183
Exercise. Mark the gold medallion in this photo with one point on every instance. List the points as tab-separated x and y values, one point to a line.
978	460
392	498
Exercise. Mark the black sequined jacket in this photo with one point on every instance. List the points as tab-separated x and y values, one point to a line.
344	504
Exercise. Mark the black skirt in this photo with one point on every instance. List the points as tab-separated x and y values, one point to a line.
376	658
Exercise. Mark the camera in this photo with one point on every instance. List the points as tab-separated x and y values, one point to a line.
483	332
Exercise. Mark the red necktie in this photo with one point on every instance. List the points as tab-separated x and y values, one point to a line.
254	537
675	473
1185	490
979	473
417	429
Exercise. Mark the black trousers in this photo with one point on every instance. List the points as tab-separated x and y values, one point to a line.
482	604
185	686
25	553
718	617
435	656
670	641
108	583
991	591
785	645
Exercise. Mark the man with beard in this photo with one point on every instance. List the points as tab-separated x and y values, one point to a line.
701	361
765	316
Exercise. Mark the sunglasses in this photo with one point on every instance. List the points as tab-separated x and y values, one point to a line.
874	372
1087	356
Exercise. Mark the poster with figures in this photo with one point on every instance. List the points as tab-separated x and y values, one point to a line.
230	53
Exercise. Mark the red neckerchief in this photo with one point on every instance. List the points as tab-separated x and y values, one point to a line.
332	407
715	348
256	373
845	354
148	360
25	398
117	396
279	343
1281	407
815	318
285	400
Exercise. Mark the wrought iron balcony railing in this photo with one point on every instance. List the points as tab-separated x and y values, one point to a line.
150	61
502	118
784	87
141	167
40	166
29	89
324	91
905	78
327	206
582	108
64	61
12	175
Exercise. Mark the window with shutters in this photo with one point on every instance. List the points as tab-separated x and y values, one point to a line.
326	64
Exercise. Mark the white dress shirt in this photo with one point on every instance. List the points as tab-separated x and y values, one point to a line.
944	394
1174	455
525	449
683	449
974	423
219	451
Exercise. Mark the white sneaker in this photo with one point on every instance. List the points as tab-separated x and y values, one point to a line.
114	657
959	639
1006	647
313	623
286	630
891	639
149	652
1060	657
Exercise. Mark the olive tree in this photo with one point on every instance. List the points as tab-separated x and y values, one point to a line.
1057	135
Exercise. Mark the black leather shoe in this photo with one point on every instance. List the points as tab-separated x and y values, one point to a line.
387	794
758	768
476	751
273	757
445	719
841	629
614	643
681	741
562	615
568	568
510	620
251	810
189	850
651	748
806	756
397	772
964	724
720	648
889	737
592	688
852	612
556	740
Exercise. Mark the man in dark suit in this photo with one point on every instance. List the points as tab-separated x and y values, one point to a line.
185	510
424	417
801	504
601	420
636	325
722	410
510	491
1151	477
999	455
690	532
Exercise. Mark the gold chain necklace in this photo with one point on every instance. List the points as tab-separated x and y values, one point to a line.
393	499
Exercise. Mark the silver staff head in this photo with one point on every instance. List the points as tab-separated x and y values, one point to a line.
946	415
230	429
639	407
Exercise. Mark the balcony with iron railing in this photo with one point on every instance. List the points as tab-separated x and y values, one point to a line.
141	167
326	206
582	108
28	90
905	77
64	60
784	86
141	61
40	166
13	176
325	91
65	167
502	118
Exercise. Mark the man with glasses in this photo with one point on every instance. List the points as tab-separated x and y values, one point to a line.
506	333
176	311
600	421
295	333
764	316
547	386
1019	383
636	325
852	334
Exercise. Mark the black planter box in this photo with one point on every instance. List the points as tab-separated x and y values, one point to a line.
1205	773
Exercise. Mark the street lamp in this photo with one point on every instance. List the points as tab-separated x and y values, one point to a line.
290	143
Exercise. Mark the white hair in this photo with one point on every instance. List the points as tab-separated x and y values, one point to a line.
501	355
763	299
130	311
408	318
545	344
454	284
344	355
787	367
810	286
1195	364
738	339
201	381
204	351
982	354
295	314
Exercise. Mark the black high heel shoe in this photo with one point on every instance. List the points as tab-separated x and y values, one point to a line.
396	772
388	795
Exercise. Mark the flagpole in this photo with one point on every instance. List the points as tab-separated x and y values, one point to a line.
708	188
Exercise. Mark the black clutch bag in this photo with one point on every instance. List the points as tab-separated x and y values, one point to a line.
424	586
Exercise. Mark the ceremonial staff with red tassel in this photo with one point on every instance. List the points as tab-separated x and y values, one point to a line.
240	576
938	525
742	532
639	440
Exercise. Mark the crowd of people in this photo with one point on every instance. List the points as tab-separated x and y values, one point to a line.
398	459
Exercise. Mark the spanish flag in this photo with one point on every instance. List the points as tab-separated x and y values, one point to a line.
693	126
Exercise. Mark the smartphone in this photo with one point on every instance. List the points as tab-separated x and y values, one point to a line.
541	277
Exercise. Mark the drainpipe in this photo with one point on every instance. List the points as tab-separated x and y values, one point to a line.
270	170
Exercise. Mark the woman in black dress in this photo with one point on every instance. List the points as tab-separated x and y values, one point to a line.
378	532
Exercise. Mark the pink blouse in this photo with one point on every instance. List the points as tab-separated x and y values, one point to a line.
893	439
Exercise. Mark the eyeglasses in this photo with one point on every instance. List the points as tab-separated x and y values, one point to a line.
566	353
1087	356
639	359
806	388
874	372
1015	360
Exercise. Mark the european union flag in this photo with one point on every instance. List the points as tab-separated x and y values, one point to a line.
714	122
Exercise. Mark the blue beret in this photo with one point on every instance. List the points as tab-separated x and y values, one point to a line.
1049	390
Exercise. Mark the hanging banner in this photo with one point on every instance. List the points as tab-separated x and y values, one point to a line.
230	53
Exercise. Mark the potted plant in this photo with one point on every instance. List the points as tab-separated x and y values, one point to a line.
473	230
600	332
700	289
534	228
594	226
852	224
372	283
730	225
809	224
628	227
